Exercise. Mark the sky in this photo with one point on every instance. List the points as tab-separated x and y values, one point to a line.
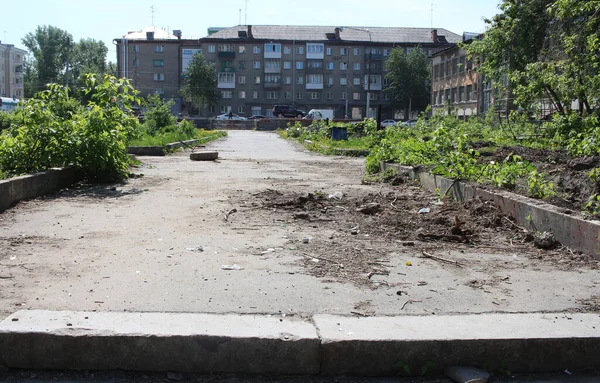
110	19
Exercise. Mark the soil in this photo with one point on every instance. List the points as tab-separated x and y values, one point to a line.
396	218
569	174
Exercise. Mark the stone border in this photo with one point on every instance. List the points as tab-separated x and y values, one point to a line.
328	345
16	189
342	152
570	228
159	151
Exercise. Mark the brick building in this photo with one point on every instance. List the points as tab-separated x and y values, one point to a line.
262	66
11	71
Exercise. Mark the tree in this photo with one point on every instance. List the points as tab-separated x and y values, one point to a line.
408	76
49	46
88	56
543	49
200	82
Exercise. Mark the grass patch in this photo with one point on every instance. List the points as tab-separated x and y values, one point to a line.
165	138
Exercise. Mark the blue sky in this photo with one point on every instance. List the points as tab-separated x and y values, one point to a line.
109	19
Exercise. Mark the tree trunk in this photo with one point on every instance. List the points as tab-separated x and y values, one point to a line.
555	100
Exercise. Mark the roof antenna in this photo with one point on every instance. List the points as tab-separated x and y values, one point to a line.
240	17
431	15
152	8
246	14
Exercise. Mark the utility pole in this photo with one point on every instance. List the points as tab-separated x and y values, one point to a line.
347	69
369	74
68	58
246	14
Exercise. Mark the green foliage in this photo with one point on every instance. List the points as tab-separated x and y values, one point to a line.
54	130
187	132
200	82
158	115
539	186
6	119
408	76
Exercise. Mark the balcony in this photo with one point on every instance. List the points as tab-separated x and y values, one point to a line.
310	69
272	85
273	70
226	85
314	86
373	56
226	55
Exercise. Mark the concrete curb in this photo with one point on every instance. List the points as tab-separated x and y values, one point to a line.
329	345
159	151
21	188
571	229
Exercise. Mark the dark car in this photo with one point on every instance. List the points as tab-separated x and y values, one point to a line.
287	111
257	117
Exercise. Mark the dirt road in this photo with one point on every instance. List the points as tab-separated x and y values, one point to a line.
158	243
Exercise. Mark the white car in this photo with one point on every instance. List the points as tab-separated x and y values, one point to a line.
386	123
234	116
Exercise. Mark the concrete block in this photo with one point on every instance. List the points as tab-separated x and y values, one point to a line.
204	156
158	342
464	374
415	345
157	151
5	195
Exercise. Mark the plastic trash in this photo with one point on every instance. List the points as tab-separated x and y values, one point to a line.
268	251
425	210
195	248
336	195
306	240
233	267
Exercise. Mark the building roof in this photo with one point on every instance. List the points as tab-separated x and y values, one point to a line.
159	34
356	34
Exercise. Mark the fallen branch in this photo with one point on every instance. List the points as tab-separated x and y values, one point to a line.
407	302
392	203
359	313
234	210
9	277
515	225
322	259
440	259
19	265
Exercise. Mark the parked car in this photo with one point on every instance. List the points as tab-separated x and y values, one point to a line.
287	111
320	114
257	117
409	123
386	123
225	116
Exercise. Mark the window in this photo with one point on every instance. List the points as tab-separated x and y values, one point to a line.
314	48
454	65
287	65
299	64
343	95
255	95
454	95
314	64
272	48
287	95
257	79
211	109
242	65
356	81
225	109
256	49
256	64
343	66
226	77
241	109
329	95
300	80
242	49
287	80
356	66
329	66
159	48
461	64
314	79
287	50
211	49
242	79
136	62
372	96
315	95
469	95
159	77
386	81
436	71
386	52
330	81
329	51
447	95
343	81
299	95
159	91
356	51
226	94
356	113
272	78
272	95
461	94
442	73
356	96
256	111
159	63
343	51
300	50
136	49
241	94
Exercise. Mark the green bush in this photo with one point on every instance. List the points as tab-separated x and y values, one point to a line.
6	119
53	130
158	117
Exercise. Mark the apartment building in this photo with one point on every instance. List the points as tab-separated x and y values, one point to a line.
11	71
456	88
310	67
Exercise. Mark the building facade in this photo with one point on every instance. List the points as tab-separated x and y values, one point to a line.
11	71
457	88
338	68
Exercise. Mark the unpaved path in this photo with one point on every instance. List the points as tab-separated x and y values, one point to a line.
132	249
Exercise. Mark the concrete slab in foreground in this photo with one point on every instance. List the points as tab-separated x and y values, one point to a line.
158	342
330	345
416	345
